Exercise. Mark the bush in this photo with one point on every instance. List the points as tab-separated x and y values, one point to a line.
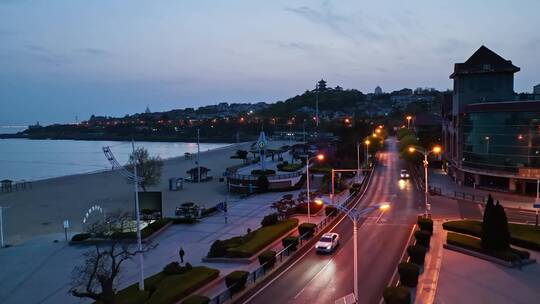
173	268
269	220
396	295
355	188
174	287
184	220
289	167
475	244
267	258
408	274
262	184
236	280
417	254
261	238
422	237
131	296
218	249
196	299
80	237
313	208
290	241
306	229
330	210
425	224
208	211
261	172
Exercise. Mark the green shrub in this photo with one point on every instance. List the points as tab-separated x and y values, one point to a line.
475	244
208	211
286	167
292	241
173	268
236	280
408	274
218	249
80	237
269	220
397	295
184	220
174	287
132	296
425	224
267	259
307	229
422	237
313	208
262	184
196	299
261	172
330	210
260	238
417	253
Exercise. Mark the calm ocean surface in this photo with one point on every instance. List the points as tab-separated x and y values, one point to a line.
40	159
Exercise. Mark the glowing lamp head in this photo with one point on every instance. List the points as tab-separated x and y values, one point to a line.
409	117
381	126
384	207
318	201
412	149
437	149
347	120
374	135
367	142
378	131
320	157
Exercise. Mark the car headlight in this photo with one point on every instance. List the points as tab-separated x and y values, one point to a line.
329	247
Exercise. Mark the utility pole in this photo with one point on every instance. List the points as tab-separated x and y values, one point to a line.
1	228
317	105
138	218
198	156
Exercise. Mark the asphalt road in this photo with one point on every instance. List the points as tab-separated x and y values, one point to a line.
382	238
473	210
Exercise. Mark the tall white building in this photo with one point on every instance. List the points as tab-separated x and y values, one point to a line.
378	90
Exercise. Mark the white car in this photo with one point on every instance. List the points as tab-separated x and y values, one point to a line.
328	242
404	174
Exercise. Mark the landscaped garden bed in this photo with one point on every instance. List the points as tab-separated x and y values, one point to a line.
522	235
250	244
475	244
168	287
148	232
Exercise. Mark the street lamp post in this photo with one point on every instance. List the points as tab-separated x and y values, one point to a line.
138	218
536	202
319	157
367	142
355	215
426	153
409	117
487	144
357	161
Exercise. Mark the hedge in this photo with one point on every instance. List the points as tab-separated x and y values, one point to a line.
236	280
209	211
267	258
131	235
396	295
308	228
422	237
196	299
261	172
80	237
174	287
408	274
270	219
313	208
417	253
292	241
425	224
248	245
289	167
522	235
330	210
475	244
131	296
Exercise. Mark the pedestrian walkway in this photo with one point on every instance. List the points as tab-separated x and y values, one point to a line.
427	283
439	178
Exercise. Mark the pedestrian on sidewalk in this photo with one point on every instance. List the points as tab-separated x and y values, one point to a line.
181	254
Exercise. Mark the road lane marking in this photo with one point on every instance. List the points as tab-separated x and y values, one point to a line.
314	277
308	251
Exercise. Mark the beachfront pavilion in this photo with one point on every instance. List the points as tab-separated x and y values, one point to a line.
194	174
6	185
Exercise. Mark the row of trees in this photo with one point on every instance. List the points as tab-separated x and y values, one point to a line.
495	232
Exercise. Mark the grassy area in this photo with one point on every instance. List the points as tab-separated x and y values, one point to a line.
289	167
161	288
261	238
475	244
526	236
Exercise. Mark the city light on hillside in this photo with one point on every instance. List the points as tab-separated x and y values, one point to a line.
367	142
320	157
378	131
374	135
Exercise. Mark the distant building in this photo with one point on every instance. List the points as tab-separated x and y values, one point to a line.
147	111
321	85
378	91
490	140
536	91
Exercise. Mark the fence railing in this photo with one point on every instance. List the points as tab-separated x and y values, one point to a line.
270	177
469	196
282	255
8	187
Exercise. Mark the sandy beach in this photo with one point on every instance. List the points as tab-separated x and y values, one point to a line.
42	209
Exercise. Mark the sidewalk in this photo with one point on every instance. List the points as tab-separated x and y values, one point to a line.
427	284
439	178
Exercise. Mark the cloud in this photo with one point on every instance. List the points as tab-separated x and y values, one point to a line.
45	55
302	46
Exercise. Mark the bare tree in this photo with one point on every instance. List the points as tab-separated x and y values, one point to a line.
96	277
148	167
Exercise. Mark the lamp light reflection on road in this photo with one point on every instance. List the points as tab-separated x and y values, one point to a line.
384	207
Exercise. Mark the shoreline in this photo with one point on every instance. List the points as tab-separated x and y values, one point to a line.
164	139
100	171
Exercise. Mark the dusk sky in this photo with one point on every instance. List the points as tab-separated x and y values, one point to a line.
62	58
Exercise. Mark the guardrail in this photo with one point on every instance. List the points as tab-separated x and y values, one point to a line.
469	196
282	255
270	177
15	186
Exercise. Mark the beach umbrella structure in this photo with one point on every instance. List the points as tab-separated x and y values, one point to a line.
198	173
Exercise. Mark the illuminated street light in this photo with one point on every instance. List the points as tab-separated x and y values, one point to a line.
426	153
409	117
319	157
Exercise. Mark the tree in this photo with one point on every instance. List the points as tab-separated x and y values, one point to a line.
487	224
96	277
502	233
262	183
241	154
148	168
